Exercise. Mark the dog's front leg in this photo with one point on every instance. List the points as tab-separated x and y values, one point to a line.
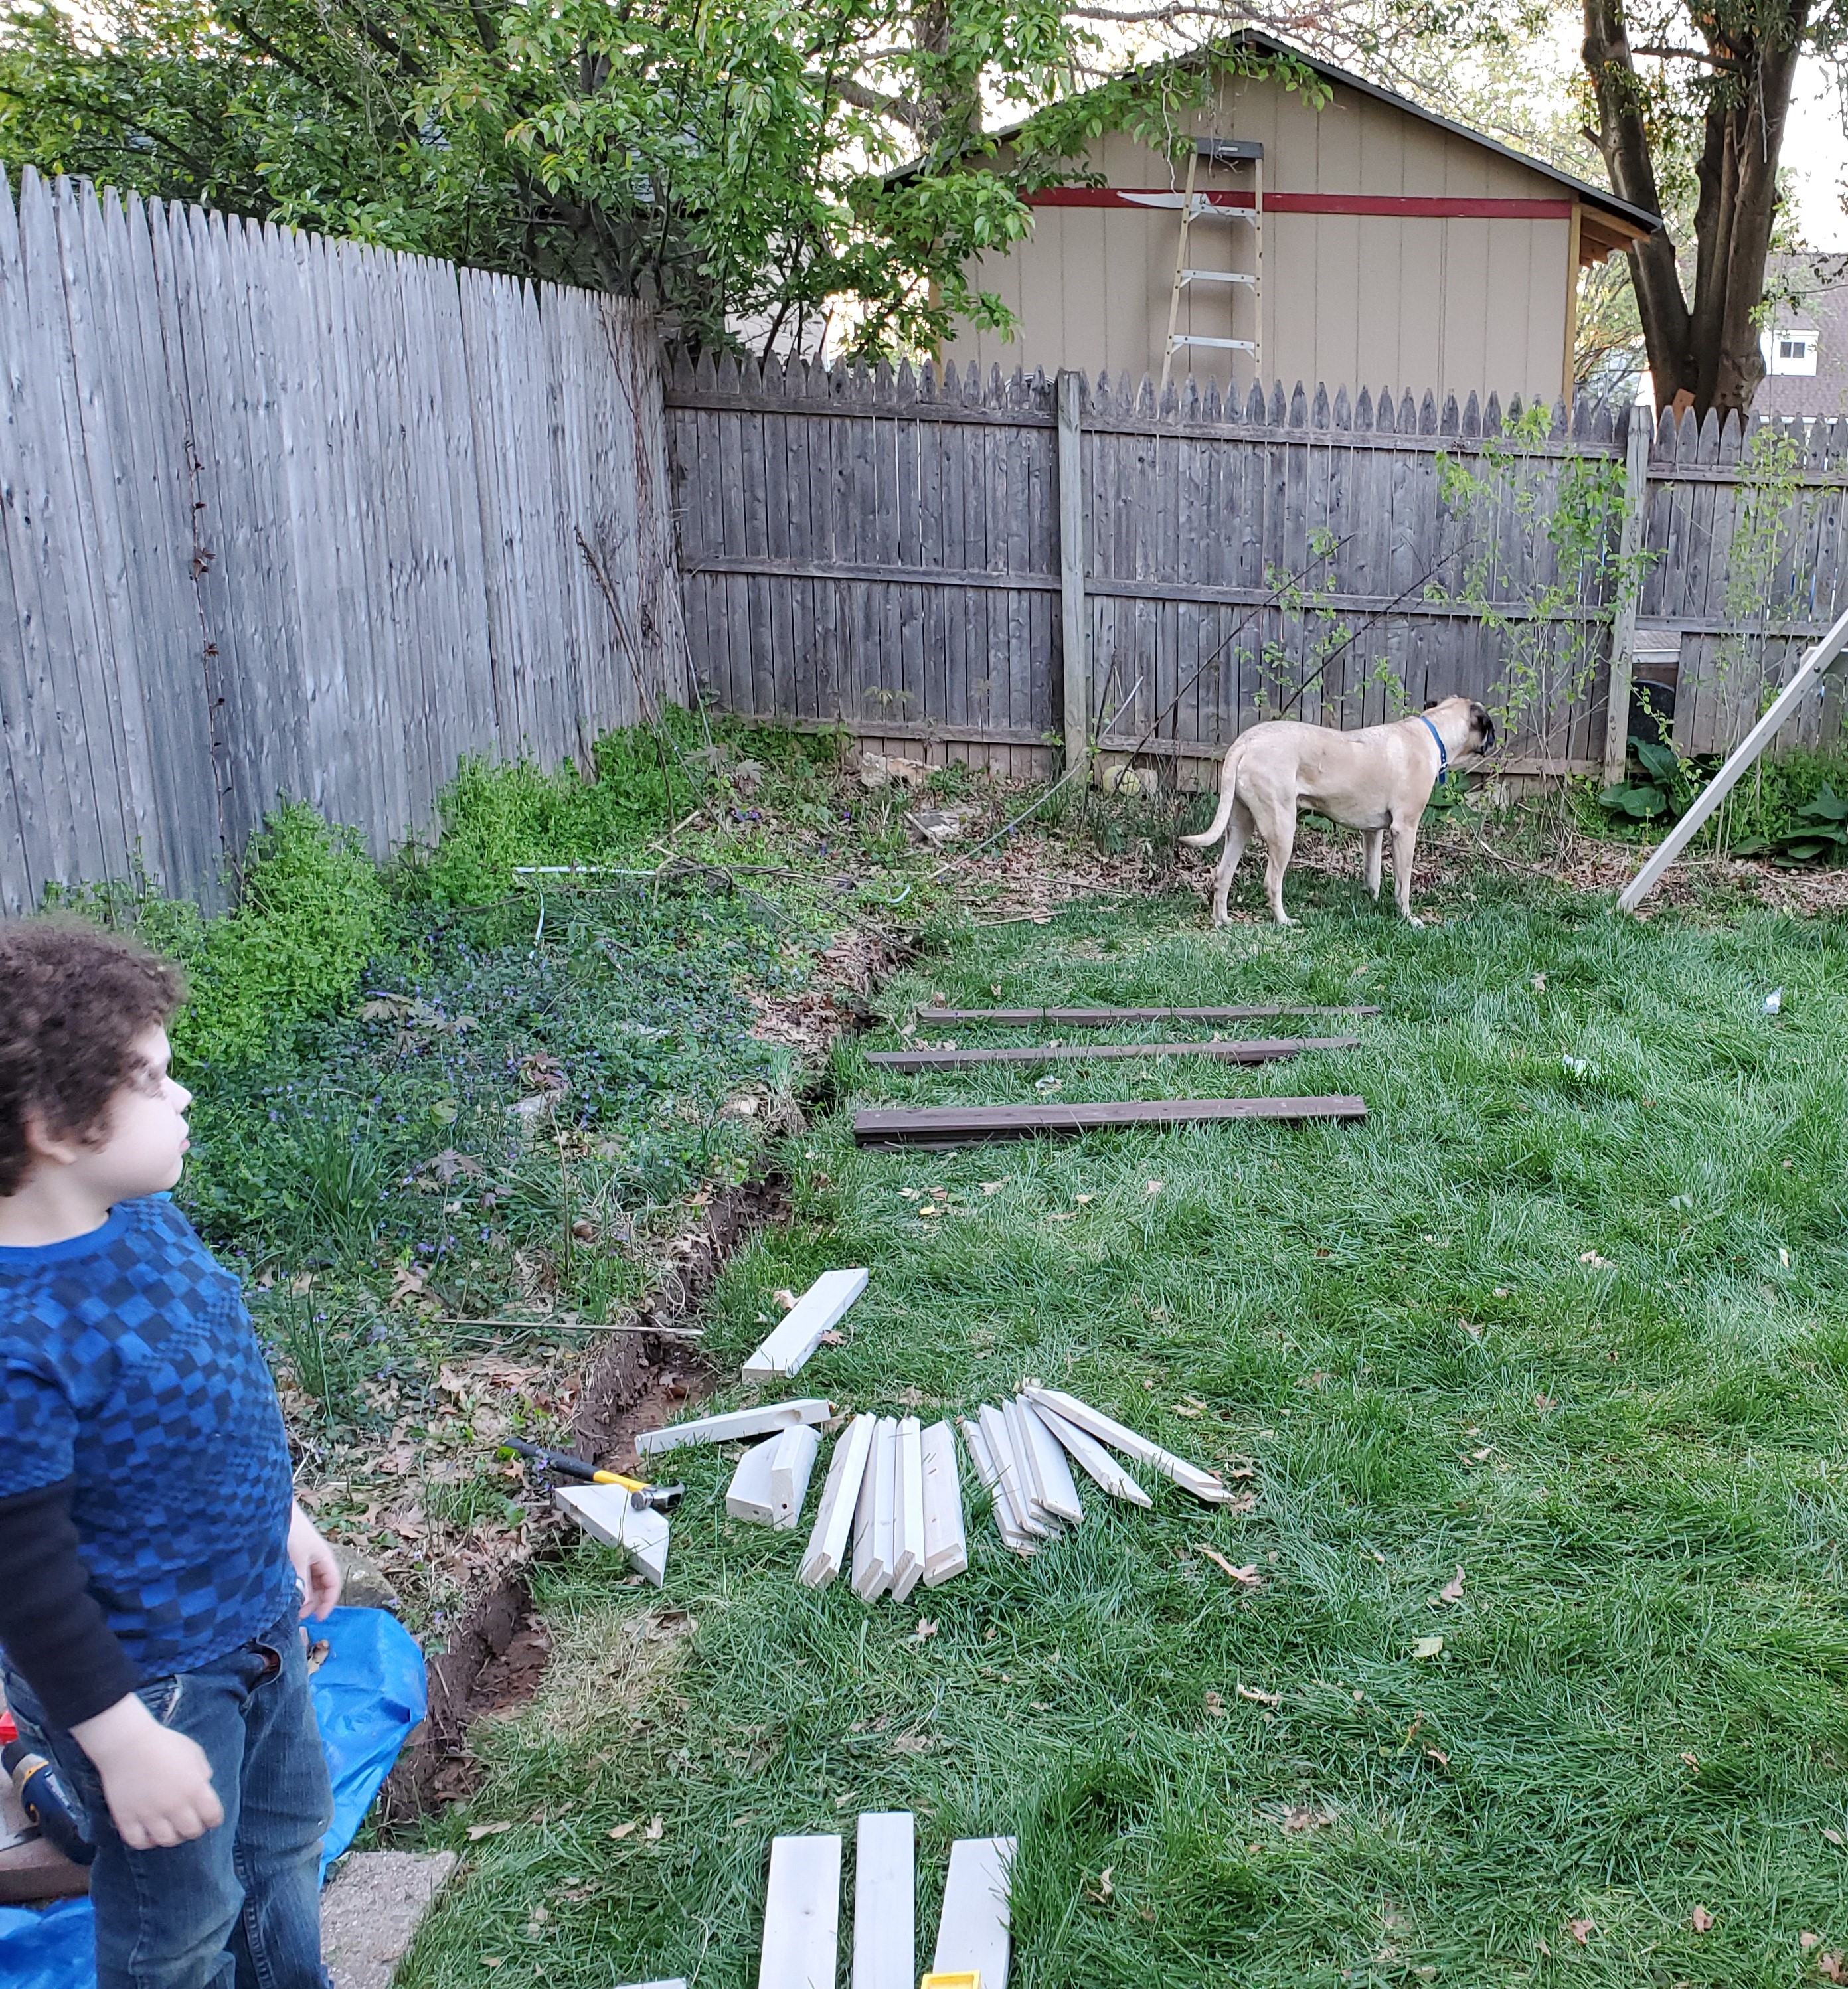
1373	848
1405	847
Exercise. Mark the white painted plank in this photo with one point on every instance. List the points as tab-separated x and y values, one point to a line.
802	1914
872	1518
1190	1477
885	1901
907	1510
828	1545
638	1532
946	1545
988	1473
973	1935
792	1465
787	1350
748	1496
1013	1486
765	1421
1095	1460
1051	1472
1014	1414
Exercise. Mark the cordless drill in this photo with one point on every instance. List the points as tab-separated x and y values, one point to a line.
45	1802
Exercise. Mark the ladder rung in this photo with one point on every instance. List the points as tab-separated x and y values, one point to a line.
1217	276
1226	344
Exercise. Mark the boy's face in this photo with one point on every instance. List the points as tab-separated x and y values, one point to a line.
141	1147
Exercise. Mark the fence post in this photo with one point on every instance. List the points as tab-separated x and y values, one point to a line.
1623	630
1076	716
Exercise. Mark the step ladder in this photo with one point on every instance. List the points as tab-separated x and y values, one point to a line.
1199	207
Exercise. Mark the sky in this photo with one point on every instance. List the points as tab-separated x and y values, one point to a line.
1815	154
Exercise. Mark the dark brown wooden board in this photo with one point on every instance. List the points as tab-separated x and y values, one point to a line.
1104	1018
960	1125
1248	1050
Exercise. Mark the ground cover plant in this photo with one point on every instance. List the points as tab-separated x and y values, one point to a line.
1537	1675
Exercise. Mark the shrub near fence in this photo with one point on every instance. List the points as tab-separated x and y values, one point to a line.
896	554
281	516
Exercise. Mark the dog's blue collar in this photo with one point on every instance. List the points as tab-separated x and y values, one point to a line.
1443	758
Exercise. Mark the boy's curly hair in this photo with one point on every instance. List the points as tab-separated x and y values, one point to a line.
72	1001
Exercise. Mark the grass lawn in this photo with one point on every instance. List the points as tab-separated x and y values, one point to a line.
1565	1313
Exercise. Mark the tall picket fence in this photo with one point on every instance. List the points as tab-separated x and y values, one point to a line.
284	517
943	564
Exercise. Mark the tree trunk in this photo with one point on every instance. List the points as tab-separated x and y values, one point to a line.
1706	356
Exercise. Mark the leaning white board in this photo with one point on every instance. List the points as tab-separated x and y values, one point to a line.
907	1510
766	1422
1205	1485
799	1332
946	1546
885	1901
802	1914
1098	1463
827	1551
973	1934
604	1513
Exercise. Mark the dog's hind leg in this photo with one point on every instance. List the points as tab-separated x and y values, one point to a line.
1405	847
1238	833
1373	844
1279	843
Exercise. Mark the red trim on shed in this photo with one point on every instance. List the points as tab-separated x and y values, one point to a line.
1409	206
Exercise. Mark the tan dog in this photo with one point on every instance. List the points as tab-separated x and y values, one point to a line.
1376	780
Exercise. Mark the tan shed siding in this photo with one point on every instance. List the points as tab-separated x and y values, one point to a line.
1453	304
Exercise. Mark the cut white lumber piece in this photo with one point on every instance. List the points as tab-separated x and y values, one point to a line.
765	1421
638	1532
907	1509
826	1554
1190	1477
972	1937
792	1465
802	1914
873	1520
989	1473
1014	1414
679	1982
885	1901
1096	1461
946	1547
1013	1483
1057	1492
798	1334
748	1495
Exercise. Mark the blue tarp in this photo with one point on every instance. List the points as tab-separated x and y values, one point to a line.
368	1695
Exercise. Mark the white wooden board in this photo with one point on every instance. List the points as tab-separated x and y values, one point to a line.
973	1932
792	1465
946	1546
1093	1458
829	1545
907	1510
639	1533
802	1914
885	1901
749	1495
765	1421
1202	1484
1013	1486
787	1350
873	1520
987	1471
1051	1473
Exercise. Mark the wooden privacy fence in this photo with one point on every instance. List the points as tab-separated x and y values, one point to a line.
950	566
285	516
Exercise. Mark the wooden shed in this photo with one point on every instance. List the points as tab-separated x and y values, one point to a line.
1359	240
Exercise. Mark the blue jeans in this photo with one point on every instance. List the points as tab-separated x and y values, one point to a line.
238	1908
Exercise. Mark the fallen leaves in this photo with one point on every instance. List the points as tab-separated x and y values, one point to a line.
1154	1188
1247	1578
1690	1759
1806	1940
651	1830
926	1627
1216	1705
783	1296
1428	1647
1299	1816
1100	1894
1834	1836
478	1831
1451	1590
1831	1968
1582	1931
1258	1697
1546	1403
1597	1263
1702	1921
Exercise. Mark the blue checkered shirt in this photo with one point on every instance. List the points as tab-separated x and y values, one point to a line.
129	1366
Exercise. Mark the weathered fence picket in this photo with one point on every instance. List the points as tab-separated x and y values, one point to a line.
286	517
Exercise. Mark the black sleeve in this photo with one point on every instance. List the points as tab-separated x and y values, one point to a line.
56	1634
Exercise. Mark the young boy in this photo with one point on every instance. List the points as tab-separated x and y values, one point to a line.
153	1563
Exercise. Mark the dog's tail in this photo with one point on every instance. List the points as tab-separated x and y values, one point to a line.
1228	790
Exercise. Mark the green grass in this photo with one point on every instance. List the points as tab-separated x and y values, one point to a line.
1651	1544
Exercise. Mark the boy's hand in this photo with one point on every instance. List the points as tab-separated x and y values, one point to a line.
313	1562
158	1783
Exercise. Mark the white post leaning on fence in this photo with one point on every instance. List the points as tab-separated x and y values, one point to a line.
1743	755
1076	713
1623	632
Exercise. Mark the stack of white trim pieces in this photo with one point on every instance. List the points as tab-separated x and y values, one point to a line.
988	1471
771	1480
872	1550
946	1546
973	1936
802	1914
1205	1485
830	1543
885	1901
637	1532
765	1421
798	1333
